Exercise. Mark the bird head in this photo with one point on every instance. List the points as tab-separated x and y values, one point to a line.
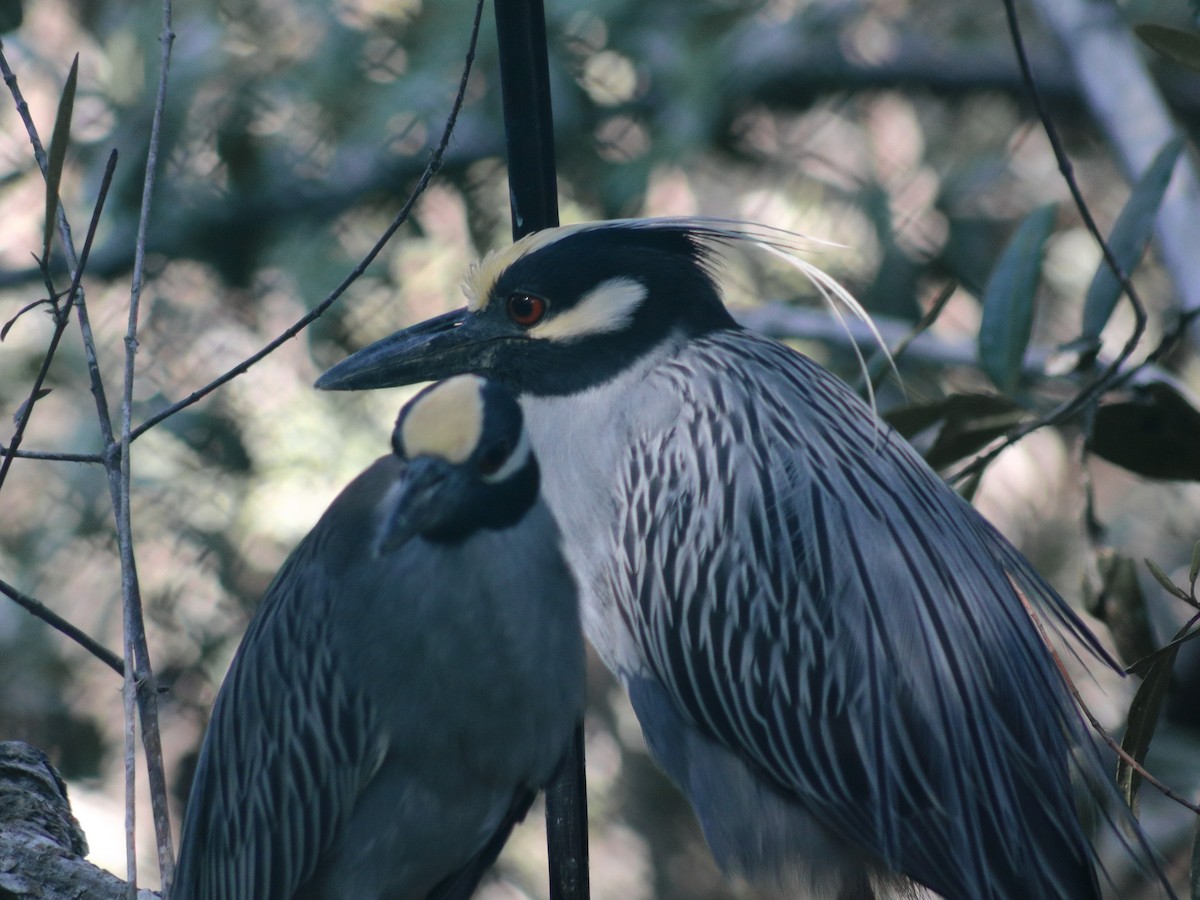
468	465
561	310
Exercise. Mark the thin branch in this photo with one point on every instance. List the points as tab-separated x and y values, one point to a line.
137	652
1068	173
39	155
61	317
58	623
76	298
431	169
129	757
881	363
1190	633
53	455
10	80
927	321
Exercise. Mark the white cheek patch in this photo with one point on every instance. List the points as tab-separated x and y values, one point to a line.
446	422
515	462
606	308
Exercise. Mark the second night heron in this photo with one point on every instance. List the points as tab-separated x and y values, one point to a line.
410	680
828	650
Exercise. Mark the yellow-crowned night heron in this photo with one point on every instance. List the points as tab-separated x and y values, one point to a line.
411	678
827	648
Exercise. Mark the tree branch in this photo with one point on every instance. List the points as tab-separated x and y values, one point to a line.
41	844
35	607
139	683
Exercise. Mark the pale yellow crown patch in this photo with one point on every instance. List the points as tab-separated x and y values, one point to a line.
482	275
446	422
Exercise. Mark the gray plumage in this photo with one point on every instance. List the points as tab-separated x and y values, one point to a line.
828	650
785	565
398	698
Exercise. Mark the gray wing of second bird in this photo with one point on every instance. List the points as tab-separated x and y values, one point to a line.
259	830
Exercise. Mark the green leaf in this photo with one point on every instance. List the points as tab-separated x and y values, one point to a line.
1154	431
12	13
1164	580
1129	237
58	153
1178	46
1143	720
1194	571
1121	605
1143	666
1008	301
965	424
24	309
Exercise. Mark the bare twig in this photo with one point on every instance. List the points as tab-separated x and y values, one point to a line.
431	169
39	155
881	363
1068	173
141	679
61	317
57	622
128	575
53	456
129	756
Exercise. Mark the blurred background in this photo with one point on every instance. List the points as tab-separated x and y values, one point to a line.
896	130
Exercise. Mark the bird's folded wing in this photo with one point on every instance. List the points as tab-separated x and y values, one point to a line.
819	604
304	746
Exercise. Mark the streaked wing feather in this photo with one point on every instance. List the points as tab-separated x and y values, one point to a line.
849	625
305	746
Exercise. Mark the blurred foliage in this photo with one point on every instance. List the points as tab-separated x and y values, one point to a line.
897	129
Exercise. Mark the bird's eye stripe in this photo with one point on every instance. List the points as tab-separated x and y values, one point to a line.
606	308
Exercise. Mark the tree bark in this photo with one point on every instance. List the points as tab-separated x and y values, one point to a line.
42	848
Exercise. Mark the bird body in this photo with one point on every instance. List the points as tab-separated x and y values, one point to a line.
409	681
829	651
765	645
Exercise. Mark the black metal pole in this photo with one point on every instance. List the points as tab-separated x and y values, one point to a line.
528	120
532	186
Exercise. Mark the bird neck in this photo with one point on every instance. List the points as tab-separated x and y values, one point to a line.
493	507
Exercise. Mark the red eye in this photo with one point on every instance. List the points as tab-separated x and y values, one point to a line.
526	310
